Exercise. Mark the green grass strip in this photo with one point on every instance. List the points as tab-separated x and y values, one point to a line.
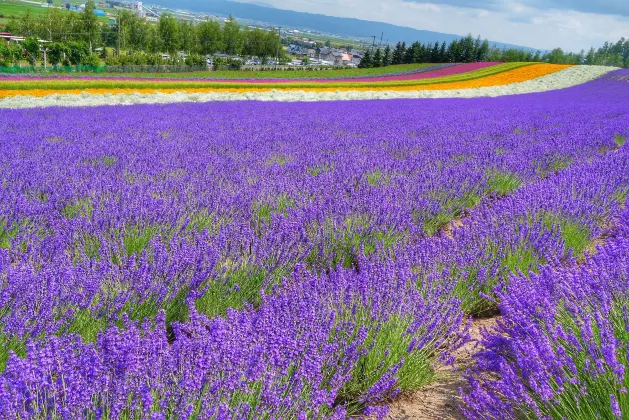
266	74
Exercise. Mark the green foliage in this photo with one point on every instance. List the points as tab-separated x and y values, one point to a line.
10	345
91	60
136	239
79	208
473	289
88	324
588	396
451	208
31	50
503	183
319	169
169	33
262	211
385	347
8	233
232	36
367	62
552	165
377	59
227	63
620	140
376	178
78	52
621	195
237	288
341	243
56	52
577	236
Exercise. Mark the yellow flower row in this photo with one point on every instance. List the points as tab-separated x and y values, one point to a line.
521	74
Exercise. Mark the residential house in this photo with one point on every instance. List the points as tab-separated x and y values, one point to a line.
326	54
356	58
340	59
310	52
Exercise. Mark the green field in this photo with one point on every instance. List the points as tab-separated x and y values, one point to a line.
268	74
17	9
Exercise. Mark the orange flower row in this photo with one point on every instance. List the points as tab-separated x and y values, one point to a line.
517	75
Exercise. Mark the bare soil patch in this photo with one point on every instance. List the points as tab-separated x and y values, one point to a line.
441	400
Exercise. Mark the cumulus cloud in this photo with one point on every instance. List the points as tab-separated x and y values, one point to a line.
544	24
611	7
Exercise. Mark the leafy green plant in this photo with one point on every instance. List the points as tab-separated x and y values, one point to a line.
82	207
503	183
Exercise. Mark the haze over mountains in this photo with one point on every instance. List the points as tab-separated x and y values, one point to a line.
330	24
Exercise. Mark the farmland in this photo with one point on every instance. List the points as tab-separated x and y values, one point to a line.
17	9
250	258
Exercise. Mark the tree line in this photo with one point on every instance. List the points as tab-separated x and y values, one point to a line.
469	50
80	36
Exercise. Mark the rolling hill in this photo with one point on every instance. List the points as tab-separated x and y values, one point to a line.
330	24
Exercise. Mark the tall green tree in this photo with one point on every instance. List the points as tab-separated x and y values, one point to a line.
386	56
232	36
409	55
78	52
187	36
57	52
443	55
90	26
169	33
434	53
377	59
398	53
366	62
31	50
209	37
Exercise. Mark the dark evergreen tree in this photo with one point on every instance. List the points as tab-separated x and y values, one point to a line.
366	61
409	55
398	54
386	56
377	59
443	55
434	54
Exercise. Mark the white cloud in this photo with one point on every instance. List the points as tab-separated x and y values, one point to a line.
511	22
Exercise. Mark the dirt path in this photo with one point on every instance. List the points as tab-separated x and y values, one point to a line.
440	401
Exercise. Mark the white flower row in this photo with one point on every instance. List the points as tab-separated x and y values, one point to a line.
569	77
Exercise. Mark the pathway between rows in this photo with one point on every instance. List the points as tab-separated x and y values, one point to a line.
440	400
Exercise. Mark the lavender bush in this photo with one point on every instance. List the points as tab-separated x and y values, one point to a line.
560	350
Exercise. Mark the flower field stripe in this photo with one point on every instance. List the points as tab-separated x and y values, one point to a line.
236	75
426	69
562	79
49	85
423	73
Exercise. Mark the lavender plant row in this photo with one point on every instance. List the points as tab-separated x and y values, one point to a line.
560	350
289	260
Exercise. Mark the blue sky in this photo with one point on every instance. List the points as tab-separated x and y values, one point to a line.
544	24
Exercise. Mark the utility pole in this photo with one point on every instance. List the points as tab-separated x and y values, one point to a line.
119	24
279	42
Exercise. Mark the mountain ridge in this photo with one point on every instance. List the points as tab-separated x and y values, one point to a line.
323	23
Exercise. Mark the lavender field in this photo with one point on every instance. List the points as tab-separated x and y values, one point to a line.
257	260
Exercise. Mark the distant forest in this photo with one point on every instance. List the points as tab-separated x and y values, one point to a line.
468	50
